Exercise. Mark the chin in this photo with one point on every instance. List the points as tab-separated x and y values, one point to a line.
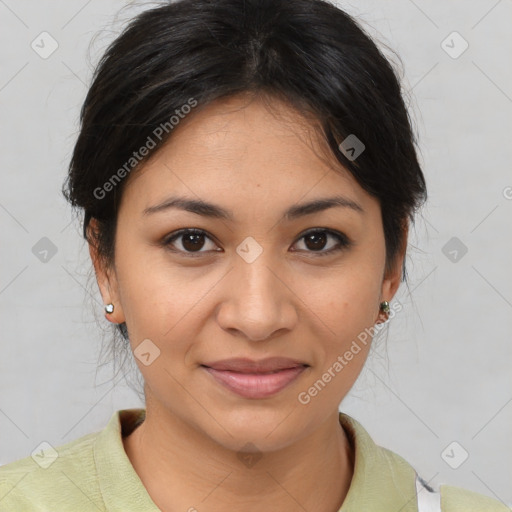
268	429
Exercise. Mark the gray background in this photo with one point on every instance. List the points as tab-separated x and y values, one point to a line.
443	375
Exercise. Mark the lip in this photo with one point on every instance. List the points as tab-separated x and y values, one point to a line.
255	379
246	365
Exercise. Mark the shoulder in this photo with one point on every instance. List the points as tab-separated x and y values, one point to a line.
381	472
455	499
52	478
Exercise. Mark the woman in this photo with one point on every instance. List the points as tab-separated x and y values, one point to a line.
248	175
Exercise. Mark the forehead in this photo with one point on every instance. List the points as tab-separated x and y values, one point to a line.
243	149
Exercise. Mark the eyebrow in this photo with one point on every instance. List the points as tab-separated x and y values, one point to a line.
206	209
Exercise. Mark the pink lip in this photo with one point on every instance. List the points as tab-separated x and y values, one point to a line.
255	379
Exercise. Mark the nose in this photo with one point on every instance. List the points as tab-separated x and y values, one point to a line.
257	301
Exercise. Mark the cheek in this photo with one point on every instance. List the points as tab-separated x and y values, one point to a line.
161	301
346	301
350	313
148	291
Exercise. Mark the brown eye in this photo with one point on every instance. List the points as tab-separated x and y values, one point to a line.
192	241
317	240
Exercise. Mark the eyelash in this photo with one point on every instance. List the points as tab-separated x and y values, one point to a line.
343	241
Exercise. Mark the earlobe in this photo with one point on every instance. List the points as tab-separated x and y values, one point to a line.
392	280
105	279
393	276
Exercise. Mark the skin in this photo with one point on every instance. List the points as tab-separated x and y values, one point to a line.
255	162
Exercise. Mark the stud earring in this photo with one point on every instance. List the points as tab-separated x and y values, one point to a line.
109	308
384	307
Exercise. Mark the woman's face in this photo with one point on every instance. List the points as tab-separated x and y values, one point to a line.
249	285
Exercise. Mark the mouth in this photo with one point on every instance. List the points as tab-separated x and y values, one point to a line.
255	379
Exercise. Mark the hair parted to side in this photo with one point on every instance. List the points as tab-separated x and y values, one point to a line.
308	53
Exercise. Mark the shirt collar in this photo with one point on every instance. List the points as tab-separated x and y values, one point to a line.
120	485
382	480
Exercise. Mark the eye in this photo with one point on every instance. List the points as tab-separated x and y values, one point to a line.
315	240
192	241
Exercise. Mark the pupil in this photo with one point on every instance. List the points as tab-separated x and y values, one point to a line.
194	240
318	240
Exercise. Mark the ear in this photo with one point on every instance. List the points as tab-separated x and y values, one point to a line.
393	275
105	276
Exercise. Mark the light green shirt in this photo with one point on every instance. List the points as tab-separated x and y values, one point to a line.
93	473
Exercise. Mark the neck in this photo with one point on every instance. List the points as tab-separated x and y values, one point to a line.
312	474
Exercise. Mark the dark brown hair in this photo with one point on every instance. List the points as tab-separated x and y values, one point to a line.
308	53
